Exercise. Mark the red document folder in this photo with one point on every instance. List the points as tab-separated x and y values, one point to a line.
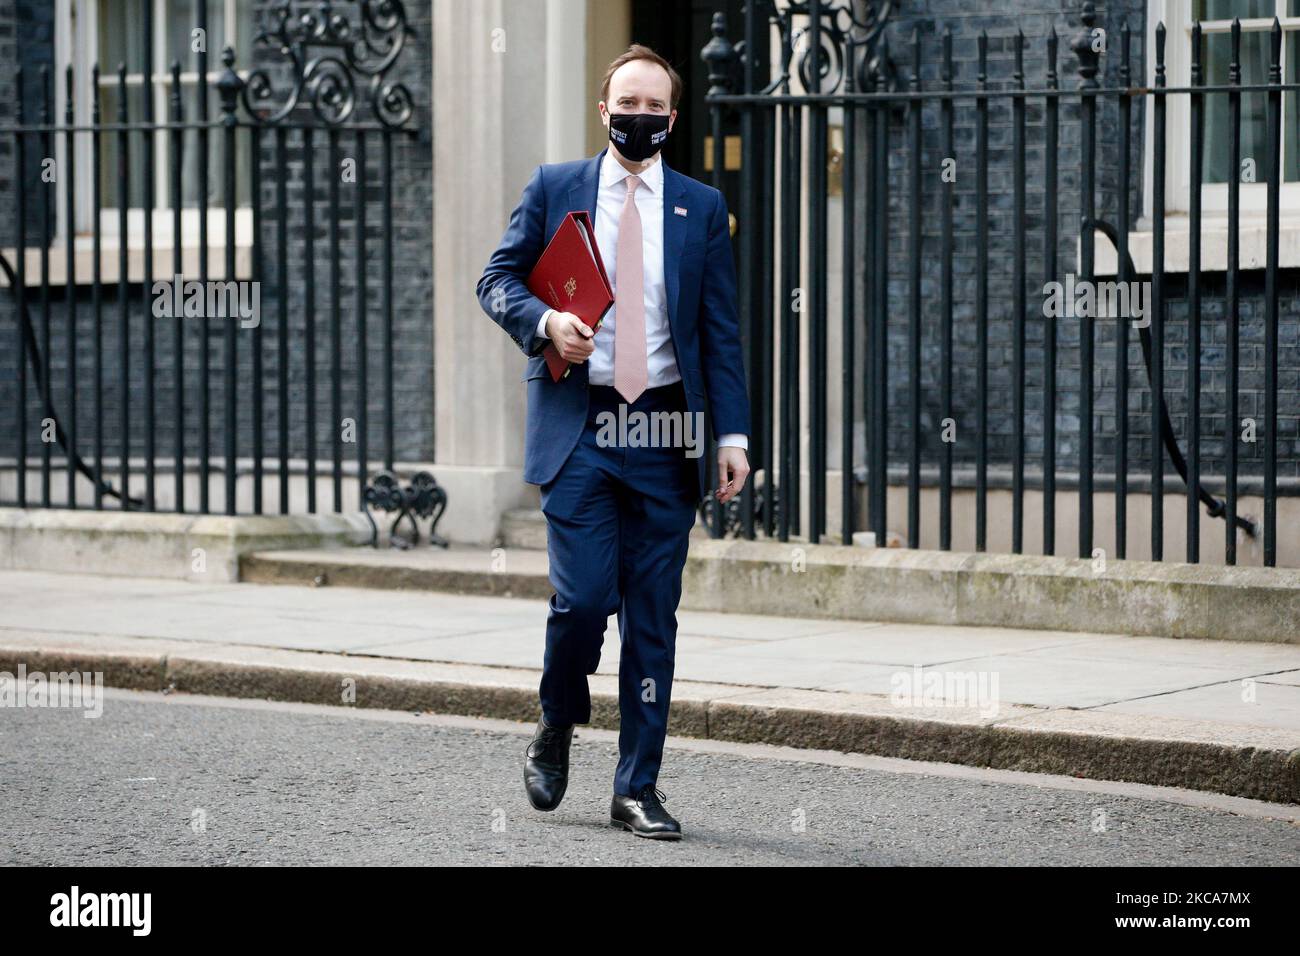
570	277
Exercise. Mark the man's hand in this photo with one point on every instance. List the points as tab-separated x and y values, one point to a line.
733	469
571	336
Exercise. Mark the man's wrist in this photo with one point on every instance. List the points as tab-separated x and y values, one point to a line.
734	440
541	324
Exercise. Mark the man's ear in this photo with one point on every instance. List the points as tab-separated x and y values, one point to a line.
672	120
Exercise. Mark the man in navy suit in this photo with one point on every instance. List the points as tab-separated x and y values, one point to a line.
619	508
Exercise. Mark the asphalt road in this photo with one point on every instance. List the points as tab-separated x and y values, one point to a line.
177	780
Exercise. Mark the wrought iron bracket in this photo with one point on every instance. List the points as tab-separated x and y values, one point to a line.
853	55
423	497
329	56
732	514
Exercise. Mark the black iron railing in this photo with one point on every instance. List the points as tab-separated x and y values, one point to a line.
212	395
900	215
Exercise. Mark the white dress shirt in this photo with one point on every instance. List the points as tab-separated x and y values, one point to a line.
661	360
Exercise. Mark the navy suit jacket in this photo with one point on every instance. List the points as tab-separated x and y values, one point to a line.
700	281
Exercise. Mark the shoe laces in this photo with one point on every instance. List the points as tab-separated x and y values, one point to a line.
650	790
542	741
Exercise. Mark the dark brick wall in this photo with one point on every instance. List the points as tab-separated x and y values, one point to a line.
412	240
8	57
26	36
1035	18
30	23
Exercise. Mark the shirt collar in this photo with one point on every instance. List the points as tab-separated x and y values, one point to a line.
612	171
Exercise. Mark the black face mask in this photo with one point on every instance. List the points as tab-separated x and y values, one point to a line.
638	136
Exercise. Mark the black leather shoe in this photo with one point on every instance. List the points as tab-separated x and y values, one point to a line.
546	766
645	815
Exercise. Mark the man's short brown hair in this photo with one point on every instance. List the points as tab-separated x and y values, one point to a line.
638	52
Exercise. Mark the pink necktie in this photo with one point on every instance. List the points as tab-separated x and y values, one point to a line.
630	372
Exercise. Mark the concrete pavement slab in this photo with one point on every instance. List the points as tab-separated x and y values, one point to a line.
518	647
904	645
1049	678
1234	655
735	667
1256	703
756	627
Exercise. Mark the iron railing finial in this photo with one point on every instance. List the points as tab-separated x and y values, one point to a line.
720	56
229	85
1085	47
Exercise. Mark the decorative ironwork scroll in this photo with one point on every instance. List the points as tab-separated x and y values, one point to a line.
422	498
330	56
850	34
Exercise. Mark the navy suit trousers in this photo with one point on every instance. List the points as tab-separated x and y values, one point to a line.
618	522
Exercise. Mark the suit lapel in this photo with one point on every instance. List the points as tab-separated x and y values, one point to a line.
582	195
674	237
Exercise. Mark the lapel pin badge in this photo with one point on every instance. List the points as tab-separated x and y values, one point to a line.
679	210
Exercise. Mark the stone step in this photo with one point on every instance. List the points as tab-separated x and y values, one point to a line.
524	528
866	584
500	572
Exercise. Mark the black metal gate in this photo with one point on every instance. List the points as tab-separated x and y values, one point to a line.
249	350
901	226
